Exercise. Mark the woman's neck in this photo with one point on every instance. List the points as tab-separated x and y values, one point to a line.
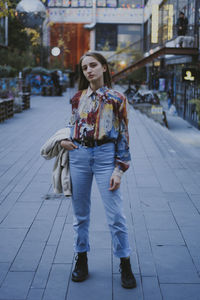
96	85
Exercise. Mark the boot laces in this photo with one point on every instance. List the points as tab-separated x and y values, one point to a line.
125	269
80	261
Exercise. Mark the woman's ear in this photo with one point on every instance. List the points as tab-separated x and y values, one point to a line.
104	68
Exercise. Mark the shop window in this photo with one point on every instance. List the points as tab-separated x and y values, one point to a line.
70	3
106	37
130	3
129	34
106	3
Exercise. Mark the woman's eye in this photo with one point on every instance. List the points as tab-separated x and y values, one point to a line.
93	65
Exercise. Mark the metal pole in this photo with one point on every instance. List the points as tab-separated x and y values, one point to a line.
6	28
196	23
41	45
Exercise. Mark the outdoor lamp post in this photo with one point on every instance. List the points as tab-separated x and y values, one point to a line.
32	14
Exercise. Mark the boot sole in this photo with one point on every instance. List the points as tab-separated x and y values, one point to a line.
128	286
79	279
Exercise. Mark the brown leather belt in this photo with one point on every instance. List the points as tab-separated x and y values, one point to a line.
93	143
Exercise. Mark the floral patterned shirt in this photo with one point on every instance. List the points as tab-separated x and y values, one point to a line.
99	115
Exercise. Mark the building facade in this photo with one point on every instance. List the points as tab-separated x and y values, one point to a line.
77	26
165	72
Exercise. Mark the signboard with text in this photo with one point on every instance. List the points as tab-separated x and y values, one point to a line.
189	74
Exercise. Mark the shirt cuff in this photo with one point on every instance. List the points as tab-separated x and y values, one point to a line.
117	172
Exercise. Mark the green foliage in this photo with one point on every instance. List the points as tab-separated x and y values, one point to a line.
197	106
16	59
7	71
138	76
17	38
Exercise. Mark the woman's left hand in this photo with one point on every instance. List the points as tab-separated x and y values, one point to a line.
114	182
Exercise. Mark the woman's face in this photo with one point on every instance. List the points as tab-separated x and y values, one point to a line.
93	69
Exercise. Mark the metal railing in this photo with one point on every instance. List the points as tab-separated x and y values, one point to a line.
143	47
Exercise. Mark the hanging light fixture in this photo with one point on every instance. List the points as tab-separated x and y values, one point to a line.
31	13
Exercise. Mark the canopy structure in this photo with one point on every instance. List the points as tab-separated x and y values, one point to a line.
161	52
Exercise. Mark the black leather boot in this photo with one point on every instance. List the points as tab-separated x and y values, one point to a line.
127	278
80	272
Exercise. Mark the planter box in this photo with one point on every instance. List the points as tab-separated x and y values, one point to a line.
2	110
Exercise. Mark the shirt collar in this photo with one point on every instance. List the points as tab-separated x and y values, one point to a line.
99	92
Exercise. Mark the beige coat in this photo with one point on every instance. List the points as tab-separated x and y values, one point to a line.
61	174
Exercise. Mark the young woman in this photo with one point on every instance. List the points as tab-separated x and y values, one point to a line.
98	146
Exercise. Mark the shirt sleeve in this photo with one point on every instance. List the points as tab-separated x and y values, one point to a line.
72	120
123	156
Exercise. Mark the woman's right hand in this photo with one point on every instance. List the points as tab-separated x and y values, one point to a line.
68	145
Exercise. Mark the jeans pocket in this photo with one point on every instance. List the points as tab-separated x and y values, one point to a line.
107	148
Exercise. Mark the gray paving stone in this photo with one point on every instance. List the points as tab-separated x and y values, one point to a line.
28	257
58	282
129	294
180	291
8	202
35	294
196	200
185	213
166	237
163	220
22	215
150	192
147	180
56	231
147	264
154	204
100	272
48	210
151	288
11	240
39	231
100	239
176	197
16	285
174	265
191	236
44	268
166	177
65	251
64	208
4	267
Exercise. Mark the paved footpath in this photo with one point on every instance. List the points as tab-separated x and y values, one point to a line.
161	192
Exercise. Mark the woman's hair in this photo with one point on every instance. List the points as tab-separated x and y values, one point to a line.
83	83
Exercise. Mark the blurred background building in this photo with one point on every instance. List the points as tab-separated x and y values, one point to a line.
140	39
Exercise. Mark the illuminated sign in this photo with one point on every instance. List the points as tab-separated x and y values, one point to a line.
154	23
189	74
170	21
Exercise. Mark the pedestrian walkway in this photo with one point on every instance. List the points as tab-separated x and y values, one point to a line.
161	192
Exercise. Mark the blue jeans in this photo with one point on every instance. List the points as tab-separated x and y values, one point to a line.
98	161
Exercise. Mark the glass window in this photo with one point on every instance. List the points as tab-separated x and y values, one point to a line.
70	3
101	3
106	37
111	3
128	34
107	3
88	3
2	31
130	3
66	3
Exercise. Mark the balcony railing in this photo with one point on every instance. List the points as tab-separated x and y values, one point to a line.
144	47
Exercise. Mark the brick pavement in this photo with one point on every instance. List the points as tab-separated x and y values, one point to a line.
161	192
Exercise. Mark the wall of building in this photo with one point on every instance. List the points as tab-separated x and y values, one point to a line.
103	15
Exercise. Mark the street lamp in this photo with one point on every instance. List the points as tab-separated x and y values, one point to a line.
32	14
